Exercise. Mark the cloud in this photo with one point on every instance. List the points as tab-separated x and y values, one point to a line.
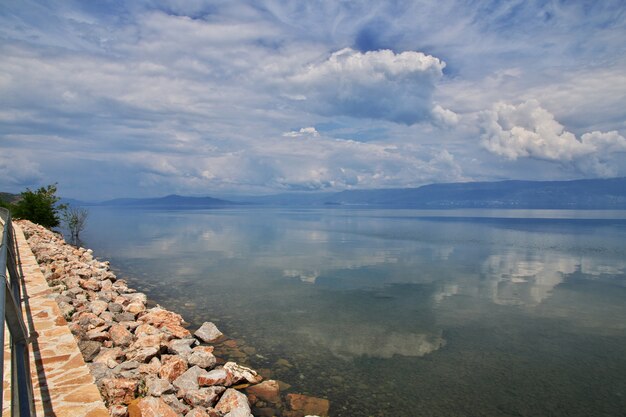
200	97
529	131
18	170
305	131
375	84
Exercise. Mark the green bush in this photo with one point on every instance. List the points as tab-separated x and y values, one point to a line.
39	206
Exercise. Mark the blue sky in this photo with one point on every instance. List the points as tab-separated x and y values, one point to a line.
148	98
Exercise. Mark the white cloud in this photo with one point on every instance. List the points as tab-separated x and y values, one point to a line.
529	131
375	84
18	170
305	131
444	117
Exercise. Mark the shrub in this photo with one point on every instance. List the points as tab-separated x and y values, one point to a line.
39	206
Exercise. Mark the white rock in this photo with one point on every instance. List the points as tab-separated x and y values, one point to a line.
208	332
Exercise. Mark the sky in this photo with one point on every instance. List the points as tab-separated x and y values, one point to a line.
148	98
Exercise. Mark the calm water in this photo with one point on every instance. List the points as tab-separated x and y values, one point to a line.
398	312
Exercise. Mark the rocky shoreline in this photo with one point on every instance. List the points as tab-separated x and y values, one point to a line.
144	360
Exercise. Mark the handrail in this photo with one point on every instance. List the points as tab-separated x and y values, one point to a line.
22	403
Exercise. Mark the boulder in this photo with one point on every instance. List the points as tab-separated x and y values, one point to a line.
118	390
110	357
267	391
203	397
181	347
115	307
89	349
157	387
148	340
177	405
151	368
197	412
308	405
135	308
150	407
208	332
202	357
99	334
216	377
158	317
120	335
233	400
144	354
172	367
175	331
241	373
188	381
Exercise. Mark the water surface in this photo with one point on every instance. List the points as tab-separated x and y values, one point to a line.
398	312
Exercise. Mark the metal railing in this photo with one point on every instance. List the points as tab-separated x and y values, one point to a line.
22	403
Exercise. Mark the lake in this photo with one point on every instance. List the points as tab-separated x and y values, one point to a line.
397	312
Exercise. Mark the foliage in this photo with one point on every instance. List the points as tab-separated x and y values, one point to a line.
39	206
75	218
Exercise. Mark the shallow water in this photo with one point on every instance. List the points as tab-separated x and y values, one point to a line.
398	312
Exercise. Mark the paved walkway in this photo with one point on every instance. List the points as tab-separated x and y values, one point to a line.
62	384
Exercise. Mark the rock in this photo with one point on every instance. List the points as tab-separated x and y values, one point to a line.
120	335
91	284
157	387
177	405
203	397
135	308
308	405
67	310
158	317
175	331
150	407
202	357
181	347
241	373
150	368
197	412
233	400
283	363
172	367
268	391
188	381
144	354
99	370
137	297
148	340
208	332
87	319
216	377
146	329
110	357
118	390
115	307
118	410
120	317
89	349
107	316
98	334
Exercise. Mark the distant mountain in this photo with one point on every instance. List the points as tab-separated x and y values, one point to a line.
287	199
170	201
9	197
577	194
